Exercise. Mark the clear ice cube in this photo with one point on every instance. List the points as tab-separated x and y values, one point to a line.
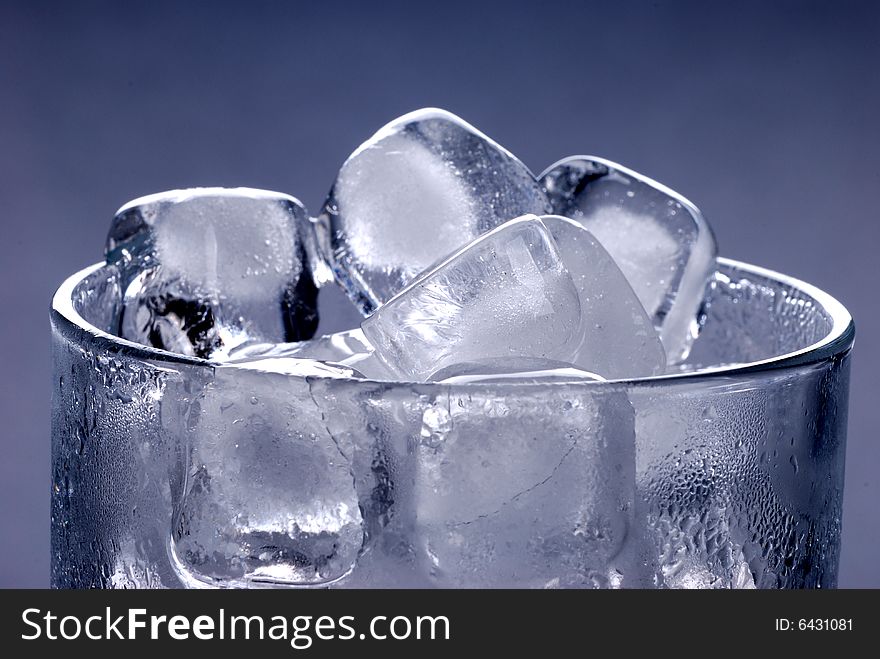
422	187
507	294
268	493
207	269
659	239
521	370
619	338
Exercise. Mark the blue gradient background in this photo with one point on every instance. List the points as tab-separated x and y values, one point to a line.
765	114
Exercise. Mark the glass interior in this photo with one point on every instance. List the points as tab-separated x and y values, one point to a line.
751	316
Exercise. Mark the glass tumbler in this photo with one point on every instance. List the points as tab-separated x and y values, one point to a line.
170	471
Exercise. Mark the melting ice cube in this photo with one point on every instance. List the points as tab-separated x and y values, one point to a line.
206	269
658	238
419	189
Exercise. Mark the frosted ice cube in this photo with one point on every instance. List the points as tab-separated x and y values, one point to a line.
537	494
422	187
507	294
659	239
521	370
206	269
619	340
268	493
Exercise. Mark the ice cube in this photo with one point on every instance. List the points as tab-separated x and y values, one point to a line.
268	493
619	338
659	239
369	365
422	187
536	494
507	294
207	269
521	370
349	349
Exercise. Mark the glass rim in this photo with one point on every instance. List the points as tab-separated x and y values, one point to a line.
838	340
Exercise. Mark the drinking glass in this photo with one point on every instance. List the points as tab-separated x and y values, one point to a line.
171	471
